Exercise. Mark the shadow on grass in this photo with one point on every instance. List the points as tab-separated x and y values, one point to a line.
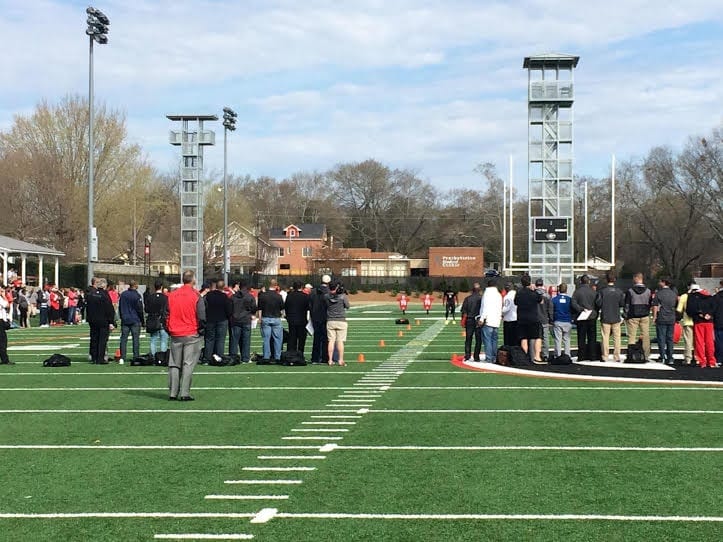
148	394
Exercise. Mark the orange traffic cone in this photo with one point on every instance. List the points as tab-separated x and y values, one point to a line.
381	343
409	327
117	354
463	333
418	322
400	334
360	358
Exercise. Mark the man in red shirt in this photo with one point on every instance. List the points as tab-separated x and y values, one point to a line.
186	321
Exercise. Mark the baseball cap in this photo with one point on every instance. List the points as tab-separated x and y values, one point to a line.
326	279
539	282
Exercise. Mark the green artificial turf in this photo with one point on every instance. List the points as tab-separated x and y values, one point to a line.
93	407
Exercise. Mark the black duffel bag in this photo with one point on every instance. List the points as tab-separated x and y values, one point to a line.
57	360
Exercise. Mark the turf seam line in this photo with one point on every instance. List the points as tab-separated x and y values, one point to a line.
247	497
202	536
263	482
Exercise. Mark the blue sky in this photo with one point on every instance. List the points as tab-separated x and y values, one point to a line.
433	86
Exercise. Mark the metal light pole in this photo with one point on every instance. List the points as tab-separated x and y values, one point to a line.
229	124
97	31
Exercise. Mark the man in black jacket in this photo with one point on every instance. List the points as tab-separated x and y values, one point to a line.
319	351
528	319
547	317
243	309
609	301
270	309
583	300
218	312
156	315
101	319
297	308
470	309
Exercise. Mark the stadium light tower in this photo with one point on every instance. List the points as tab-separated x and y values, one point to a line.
229	125
97	31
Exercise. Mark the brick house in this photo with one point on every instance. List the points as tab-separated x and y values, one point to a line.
296	245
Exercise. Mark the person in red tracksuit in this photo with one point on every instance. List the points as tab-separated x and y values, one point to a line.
700	309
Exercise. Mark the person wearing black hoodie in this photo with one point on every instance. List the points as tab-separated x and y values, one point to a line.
583	300
470	310
664	305
319	350
609	301
718	324
637	313
218	312
296	309
243	308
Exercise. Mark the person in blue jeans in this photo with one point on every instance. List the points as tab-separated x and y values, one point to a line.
664	305
130	307
243	309
218	312
490	318
270	310
156	319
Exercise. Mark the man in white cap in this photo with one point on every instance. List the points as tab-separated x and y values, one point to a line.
319	350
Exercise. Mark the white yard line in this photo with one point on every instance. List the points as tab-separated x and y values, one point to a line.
342	515
538	411
171	411
321	430
328	423
127	515
319	437
290	457
150	447
357	448
558	388
264	482
532	448
247	497
202	536
334	417
523	517
375	388
279	469
158	388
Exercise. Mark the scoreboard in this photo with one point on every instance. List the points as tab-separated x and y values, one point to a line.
550	230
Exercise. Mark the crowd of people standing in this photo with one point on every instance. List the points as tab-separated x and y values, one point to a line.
531	315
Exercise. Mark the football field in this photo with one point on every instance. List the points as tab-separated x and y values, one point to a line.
401	447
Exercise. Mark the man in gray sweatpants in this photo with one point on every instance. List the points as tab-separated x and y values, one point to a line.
186	321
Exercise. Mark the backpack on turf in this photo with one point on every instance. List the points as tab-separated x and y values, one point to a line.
635	353
562	359
57	360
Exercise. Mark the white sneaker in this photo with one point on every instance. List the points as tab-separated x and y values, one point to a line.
121	361
482	357
90	358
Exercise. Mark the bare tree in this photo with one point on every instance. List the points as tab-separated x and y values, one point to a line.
673	233
46	154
